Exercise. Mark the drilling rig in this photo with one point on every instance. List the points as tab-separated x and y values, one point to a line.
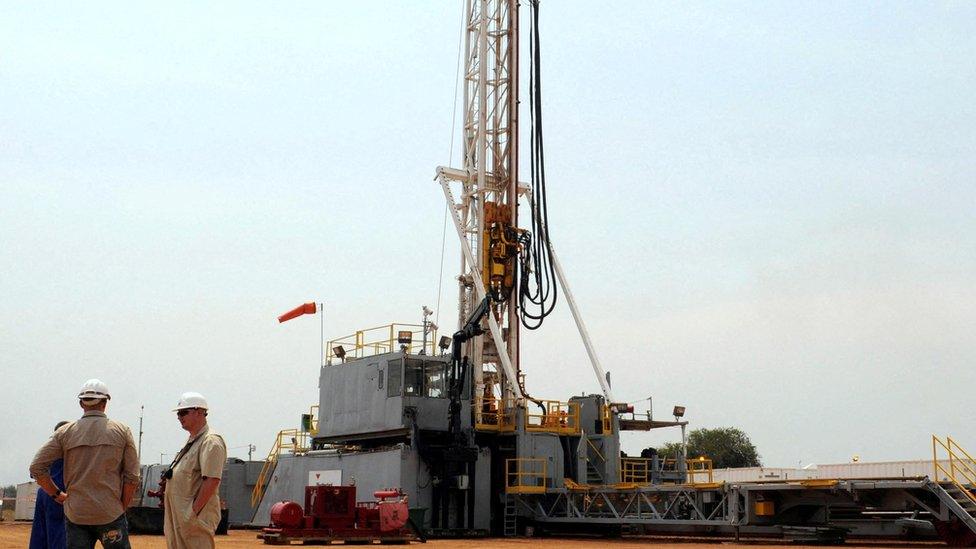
451	423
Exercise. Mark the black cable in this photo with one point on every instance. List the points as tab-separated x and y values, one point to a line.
537	278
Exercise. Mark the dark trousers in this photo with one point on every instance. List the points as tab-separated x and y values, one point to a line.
114	535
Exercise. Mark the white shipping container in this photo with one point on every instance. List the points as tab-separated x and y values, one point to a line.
26	497
753	474
881	469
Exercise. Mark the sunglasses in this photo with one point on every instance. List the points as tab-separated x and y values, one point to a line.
185	411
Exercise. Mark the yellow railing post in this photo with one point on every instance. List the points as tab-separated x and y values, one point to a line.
965	470
518	470
702	465
377	340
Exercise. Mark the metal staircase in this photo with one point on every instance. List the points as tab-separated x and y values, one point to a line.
592	460
965	508
297	441
954	484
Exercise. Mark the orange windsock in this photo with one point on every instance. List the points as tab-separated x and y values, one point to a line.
305	309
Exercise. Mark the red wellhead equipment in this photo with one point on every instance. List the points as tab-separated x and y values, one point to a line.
287	514
331	513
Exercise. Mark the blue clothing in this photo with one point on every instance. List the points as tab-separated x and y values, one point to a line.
47	531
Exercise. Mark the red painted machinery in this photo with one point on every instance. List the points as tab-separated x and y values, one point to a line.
331	513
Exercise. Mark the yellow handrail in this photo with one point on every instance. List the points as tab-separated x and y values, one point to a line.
607	419
595	449
493	414
381	339
961	449
557	417
636	470
699	466
956	464
269	464
525	476
298	441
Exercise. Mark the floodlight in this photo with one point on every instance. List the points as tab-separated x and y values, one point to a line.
445	342
679	411
427	312
339	351
404	337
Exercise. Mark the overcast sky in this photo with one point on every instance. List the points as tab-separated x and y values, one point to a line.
767	211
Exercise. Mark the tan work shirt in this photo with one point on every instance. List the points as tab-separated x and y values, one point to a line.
183	529
99	456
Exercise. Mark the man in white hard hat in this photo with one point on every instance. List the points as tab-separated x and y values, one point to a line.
101	473
191	503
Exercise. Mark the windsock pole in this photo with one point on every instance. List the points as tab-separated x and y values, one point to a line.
310	309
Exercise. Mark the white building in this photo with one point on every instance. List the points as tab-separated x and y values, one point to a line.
878	469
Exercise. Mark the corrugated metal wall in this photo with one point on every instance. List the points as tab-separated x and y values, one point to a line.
880	469
752	474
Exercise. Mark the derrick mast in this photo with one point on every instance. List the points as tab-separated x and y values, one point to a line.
485	210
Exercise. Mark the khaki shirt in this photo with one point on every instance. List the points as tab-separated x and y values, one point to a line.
99	456
205	458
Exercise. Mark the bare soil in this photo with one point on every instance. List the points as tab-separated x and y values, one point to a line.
16	536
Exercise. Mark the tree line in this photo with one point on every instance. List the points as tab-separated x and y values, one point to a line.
725	446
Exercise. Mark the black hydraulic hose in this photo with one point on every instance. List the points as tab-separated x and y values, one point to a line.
537	279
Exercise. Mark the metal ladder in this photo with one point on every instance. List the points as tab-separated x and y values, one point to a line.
510	524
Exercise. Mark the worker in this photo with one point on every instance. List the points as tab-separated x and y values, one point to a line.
191	502
101	473
488	408
47	529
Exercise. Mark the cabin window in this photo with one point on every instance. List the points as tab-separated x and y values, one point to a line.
393	375
435	380
413	378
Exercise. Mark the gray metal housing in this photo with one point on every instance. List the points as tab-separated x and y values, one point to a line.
236	485
396	467
379	396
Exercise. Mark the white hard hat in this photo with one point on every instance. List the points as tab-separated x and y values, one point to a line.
191	400
94	388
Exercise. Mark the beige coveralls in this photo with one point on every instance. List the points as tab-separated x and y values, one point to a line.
204	459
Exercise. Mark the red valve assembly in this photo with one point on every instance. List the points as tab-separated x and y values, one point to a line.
331	513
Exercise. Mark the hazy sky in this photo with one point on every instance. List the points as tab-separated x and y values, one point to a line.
767	211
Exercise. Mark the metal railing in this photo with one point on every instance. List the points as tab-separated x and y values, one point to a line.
639	471
381	339
296	441
525	476
607	417
312	424
557	417
492	414
700	466
961	471
636	470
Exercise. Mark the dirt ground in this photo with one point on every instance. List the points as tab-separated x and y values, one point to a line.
16	536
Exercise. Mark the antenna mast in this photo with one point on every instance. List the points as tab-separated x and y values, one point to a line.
142	412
